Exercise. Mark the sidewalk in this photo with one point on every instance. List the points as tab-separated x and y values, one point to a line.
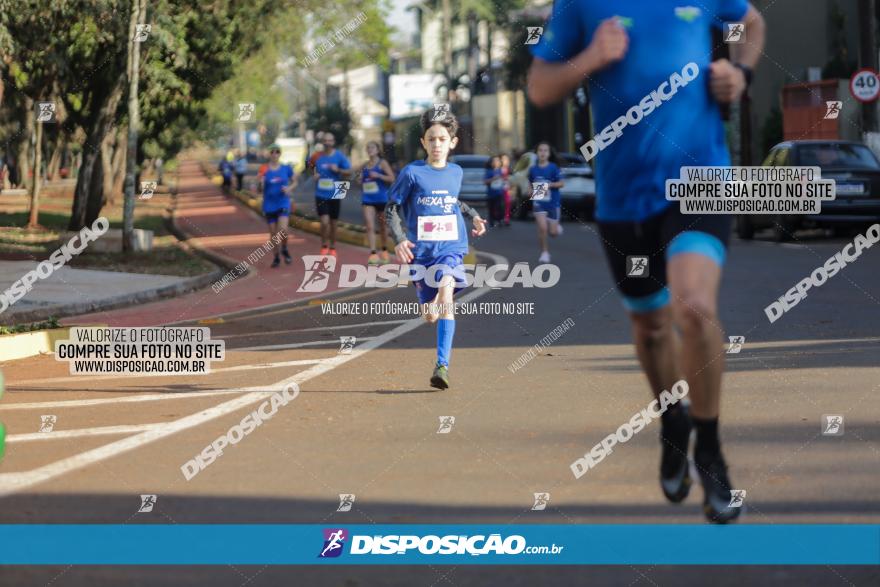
226	229
70	290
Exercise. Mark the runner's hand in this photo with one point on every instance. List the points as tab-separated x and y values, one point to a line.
609	43
403	252
479	227
726	81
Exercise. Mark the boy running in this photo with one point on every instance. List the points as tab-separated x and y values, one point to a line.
642	69
277	182
330	167
546	199
425	198
376	176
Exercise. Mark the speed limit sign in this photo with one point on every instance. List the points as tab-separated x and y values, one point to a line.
864	85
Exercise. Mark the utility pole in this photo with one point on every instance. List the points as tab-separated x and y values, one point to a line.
447	47
138	17
868	57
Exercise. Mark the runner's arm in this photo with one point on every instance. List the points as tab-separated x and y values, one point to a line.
468	211
394	222
388	173
749	53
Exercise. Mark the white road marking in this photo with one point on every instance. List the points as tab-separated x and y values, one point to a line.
103	377
79	403
296	345
320	328
80	432
13	482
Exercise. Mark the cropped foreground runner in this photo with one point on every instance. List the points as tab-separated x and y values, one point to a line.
425	197
651	64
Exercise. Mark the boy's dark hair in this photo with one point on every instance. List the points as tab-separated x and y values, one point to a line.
443	117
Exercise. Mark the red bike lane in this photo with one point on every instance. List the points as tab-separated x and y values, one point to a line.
220	224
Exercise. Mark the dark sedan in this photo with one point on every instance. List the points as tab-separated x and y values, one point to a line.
856	172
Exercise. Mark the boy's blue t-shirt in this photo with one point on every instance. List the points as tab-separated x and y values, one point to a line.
273	180
686	129
374	191
496	188
226	168
551	174
431	212
326	178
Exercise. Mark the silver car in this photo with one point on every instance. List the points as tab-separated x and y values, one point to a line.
473	189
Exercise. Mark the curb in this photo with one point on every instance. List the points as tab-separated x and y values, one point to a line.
352	234
29	344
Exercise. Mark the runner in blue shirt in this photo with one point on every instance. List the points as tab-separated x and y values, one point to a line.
426	222
655	99
376	176
331	168
495	186
225	169
277	183
241	165
545	179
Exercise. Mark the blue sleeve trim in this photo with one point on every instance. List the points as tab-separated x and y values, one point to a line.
648	303
701	243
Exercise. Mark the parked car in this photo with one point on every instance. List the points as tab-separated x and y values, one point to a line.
856	172
578	193
474	167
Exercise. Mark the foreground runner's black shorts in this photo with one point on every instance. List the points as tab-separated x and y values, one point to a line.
327	207
658	238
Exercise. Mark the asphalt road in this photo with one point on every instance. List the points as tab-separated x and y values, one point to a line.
366	423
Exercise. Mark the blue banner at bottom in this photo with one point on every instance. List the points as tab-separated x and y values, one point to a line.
381	544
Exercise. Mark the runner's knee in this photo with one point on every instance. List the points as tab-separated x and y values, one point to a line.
694	312
651	328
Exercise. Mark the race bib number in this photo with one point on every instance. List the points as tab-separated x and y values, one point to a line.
325	183
371	187
438	228
497	184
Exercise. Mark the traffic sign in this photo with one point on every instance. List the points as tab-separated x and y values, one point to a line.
864	85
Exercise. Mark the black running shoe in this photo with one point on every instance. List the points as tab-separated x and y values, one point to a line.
675	479
286	255
440	378
717	498
276	262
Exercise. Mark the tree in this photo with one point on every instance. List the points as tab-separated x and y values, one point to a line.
334	118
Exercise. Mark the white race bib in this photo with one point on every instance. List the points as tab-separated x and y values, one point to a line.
498	184
438	228
371	187
325	183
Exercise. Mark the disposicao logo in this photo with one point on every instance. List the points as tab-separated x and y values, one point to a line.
334	542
